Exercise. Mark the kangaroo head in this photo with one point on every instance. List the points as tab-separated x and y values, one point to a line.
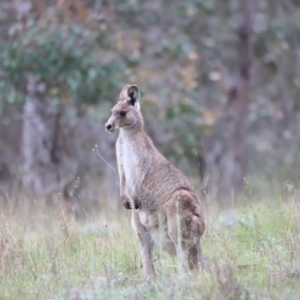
126	113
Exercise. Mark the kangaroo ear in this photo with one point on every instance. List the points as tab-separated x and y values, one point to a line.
133	95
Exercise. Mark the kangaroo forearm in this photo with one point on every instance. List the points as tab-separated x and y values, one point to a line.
121	178
123	195
144	169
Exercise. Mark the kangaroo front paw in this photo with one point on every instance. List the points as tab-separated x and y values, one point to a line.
137	203
127	204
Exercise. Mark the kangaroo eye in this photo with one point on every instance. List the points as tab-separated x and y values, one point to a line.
122	113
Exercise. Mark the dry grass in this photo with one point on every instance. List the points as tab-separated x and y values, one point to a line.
252	252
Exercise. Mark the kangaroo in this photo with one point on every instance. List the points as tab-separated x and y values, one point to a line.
165	209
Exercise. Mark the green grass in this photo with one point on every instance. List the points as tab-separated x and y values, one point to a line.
251	253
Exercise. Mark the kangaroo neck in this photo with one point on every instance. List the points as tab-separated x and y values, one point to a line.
135	130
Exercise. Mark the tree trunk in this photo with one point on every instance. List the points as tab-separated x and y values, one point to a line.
225	157
237	106
48	165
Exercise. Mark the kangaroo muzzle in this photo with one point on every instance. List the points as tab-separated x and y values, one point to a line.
109	127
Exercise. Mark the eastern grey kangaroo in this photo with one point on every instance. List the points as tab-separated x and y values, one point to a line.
165	209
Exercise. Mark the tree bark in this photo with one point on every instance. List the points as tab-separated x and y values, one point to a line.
225	155
48	165
236	109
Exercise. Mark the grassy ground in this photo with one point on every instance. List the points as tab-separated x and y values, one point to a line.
252	252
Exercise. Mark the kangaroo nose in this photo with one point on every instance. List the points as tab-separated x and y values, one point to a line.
108	127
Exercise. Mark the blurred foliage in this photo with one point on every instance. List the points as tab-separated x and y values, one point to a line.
68	59
182	120
182	54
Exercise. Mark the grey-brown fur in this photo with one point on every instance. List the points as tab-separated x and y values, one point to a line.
162	200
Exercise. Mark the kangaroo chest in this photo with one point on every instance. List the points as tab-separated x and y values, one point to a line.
130	161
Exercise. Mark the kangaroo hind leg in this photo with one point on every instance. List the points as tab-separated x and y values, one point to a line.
193	257
185	228
146	245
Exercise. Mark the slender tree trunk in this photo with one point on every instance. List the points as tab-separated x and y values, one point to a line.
225	155
237	105
48	166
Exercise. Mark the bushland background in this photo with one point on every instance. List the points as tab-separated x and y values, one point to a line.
219	81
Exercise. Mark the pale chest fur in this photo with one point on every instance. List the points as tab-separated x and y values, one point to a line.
127	154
